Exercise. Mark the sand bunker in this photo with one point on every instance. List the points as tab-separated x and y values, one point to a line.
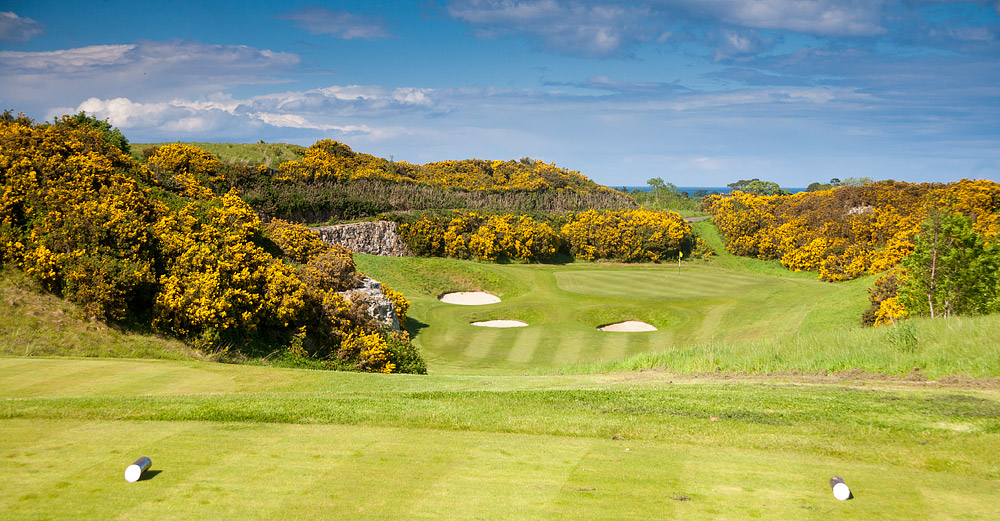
501	323
469	298
629	326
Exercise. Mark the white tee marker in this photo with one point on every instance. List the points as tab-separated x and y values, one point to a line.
840	489
135	470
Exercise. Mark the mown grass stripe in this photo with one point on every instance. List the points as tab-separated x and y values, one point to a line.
524	345
480	345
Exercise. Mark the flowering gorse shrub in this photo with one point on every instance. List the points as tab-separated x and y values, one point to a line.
624	235
91	224
468	235
848	231
329	160
371	349
74	215
296	241
217	280
185	168
627	235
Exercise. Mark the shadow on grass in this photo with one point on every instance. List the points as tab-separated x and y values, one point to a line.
414	326
149	474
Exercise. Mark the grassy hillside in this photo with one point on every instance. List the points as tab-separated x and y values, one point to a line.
33	323
269	154
262	443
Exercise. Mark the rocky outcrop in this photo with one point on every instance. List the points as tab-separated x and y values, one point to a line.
372	238
379	306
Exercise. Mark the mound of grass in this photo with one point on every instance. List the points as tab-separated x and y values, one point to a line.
433	277
33	323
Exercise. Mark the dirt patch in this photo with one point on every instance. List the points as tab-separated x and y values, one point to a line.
628	326
469	298
501	323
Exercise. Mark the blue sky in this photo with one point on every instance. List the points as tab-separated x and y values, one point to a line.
698	92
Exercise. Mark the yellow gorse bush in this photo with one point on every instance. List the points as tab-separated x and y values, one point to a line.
296	241
73	214
487	237
624	235
217	279
188	167
327	159
80	217
399	302
849	231
371	349
627	235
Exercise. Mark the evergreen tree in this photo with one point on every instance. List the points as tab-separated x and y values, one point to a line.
952	270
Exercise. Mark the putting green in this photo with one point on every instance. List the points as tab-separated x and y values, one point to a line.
656	284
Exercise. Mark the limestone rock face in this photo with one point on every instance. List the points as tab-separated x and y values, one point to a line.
372	238
379	306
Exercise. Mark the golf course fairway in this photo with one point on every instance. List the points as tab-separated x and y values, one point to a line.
239	442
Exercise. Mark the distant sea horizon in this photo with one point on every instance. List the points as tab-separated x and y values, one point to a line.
690	190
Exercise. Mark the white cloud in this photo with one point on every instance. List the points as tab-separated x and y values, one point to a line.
143	71
351	110
736	44
15	29
339	24
175	118
122	112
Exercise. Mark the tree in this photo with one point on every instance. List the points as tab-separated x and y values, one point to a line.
855	181
664	195
951	271
758	187
111	135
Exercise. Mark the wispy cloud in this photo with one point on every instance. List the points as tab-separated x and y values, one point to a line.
817	17
68	61
602	29
364	109
597	30
16	29
735	44
339	24
146	70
